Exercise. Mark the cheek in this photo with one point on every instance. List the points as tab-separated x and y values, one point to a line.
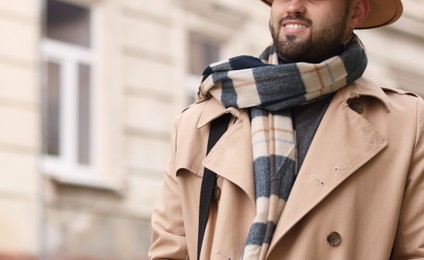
273	19
276	12
327	20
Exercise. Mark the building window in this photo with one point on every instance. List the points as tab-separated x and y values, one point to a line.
51	130
203	50
68	23
69	89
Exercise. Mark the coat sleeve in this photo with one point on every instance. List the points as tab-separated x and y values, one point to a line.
409	242
168	233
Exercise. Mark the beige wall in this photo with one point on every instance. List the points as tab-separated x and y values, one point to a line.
19	127
142	57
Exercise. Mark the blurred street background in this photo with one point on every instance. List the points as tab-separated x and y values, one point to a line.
89	90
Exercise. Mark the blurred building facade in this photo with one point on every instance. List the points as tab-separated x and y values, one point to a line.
89	90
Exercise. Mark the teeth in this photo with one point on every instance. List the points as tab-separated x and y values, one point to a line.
295	26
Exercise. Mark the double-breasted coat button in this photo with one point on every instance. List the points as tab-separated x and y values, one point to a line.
334	239
357	107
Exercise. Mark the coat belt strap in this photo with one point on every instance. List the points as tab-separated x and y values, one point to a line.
218	128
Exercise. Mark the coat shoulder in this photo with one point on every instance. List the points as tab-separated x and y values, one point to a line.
195	105
394	97
404	99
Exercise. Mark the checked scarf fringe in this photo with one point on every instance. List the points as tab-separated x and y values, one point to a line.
270	89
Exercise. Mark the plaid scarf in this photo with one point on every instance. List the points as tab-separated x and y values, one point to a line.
270	89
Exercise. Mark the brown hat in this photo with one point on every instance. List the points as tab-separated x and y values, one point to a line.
383	12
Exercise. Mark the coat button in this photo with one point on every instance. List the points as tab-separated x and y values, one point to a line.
334	239
357	107
217	193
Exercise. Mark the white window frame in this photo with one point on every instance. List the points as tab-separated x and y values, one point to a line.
65	167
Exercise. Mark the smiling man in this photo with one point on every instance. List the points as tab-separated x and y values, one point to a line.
316	162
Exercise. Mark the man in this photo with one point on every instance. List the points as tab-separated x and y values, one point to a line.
317	162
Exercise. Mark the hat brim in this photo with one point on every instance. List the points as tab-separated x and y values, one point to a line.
383	12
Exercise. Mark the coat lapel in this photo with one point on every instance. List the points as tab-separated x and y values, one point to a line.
231	157
344	142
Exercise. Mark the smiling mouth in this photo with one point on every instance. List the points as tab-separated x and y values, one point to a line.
295	22
295	26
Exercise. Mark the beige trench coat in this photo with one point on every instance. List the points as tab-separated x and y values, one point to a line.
358	196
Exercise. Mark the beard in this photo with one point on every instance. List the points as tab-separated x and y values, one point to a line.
319	44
